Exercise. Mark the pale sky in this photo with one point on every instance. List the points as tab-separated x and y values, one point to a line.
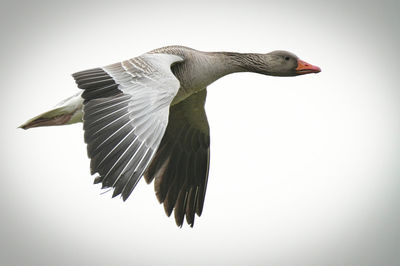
304	170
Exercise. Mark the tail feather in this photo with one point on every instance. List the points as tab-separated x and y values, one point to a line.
67	112
50	118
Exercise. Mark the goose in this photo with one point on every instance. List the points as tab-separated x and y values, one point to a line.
145	117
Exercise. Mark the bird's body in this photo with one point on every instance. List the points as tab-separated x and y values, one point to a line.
145	117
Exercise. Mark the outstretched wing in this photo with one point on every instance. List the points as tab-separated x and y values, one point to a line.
126	107
180	166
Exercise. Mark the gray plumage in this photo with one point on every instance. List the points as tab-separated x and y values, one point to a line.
145	117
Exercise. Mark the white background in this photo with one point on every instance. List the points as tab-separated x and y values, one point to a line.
304	170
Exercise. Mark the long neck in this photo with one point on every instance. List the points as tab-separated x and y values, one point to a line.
243	62
203	68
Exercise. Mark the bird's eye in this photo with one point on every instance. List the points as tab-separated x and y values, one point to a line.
287	58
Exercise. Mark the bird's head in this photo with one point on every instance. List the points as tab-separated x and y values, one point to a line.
283	63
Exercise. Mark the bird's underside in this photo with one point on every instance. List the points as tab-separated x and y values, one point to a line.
131	130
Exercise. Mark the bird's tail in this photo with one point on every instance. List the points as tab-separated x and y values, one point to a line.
66	112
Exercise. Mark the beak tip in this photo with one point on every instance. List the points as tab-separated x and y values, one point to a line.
306	68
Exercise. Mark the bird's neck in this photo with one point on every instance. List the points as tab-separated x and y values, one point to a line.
207	67
242	62
200	69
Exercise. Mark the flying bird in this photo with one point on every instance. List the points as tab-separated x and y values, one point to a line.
145	117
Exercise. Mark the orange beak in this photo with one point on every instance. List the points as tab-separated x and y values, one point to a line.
306	68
